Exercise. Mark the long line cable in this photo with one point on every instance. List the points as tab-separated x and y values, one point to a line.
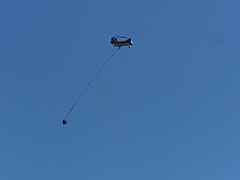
89	83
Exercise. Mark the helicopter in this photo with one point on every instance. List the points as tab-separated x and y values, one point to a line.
127	42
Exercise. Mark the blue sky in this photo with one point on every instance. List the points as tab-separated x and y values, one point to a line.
167	108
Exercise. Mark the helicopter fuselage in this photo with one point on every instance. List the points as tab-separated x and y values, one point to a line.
119	44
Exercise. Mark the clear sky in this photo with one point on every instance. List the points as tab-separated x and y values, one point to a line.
167	108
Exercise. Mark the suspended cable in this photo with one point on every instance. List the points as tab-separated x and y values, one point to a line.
87	86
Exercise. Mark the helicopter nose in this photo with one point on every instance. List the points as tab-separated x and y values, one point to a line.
131	42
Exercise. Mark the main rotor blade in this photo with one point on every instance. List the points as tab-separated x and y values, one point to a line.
119	36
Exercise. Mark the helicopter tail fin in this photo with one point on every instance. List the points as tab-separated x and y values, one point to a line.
114	40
